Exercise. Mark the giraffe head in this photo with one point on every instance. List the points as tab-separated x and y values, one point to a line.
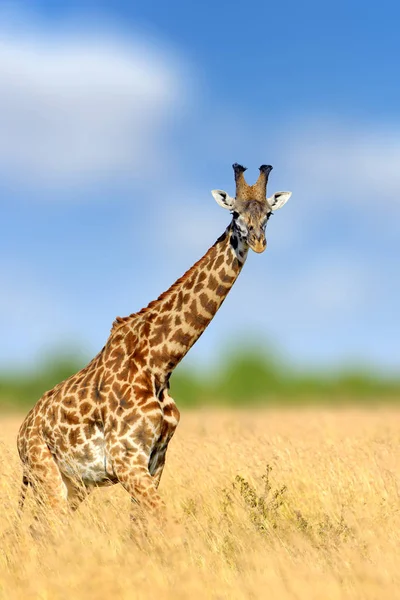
250	207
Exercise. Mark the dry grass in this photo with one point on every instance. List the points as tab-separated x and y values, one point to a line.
283	504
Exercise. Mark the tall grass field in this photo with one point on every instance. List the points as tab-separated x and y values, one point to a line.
280	503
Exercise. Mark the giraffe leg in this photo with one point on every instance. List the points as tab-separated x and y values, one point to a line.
44	476
22	495
170	422
137	480
131	468
138	457
42	473
159	464
77	492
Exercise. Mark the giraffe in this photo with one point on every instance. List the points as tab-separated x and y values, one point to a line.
112	421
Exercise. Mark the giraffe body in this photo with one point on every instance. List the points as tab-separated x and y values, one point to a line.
112	421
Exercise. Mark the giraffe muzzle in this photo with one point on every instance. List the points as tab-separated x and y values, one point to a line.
258	245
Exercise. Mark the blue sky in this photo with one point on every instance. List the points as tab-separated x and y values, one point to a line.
117	120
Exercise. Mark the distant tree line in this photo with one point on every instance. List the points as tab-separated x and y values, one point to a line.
247	377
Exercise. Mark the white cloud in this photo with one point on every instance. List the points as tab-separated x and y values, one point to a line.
360	163
331	291
34	314
79	107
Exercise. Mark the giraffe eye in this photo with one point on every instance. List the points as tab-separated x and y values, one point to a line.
267	218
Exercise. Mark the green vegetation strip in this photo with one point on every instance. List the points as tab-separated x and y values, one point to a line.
249	377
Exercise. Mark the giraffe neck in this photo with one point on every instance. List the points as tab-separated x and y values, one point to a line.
176	320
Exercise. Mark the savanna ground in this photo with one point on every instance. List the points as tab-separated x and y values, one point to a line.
279	504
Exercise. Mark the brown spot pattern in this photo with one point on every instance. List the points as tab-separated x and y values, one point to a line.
119	401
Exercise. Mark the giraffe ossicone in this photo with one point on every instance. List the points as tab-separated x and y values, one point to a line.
112	421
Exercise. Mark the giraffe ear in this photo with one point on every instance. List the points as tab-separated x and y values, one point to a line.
278	199
223	199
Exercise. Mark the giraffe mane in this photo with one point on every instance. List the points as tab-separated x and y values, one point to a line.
120	322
